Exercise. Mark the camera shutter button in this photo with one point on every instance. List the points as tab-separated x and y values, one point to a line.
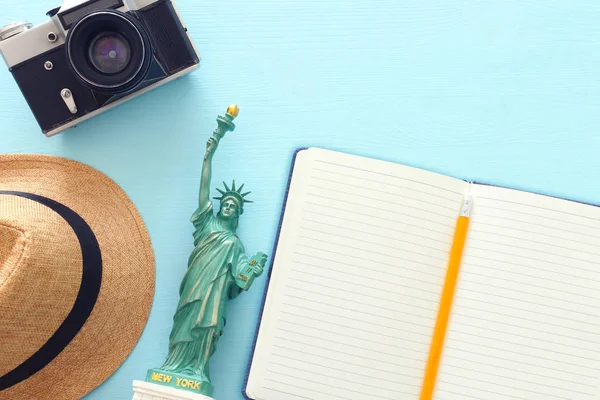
14	28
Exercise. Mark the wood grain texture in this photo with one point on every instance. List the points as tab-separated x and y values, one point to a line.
503	92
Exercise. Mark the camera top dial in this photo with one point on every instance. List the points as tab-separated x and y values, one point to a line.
14	28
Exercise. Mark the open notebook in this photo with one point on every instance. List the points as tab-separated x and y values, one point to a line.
354	292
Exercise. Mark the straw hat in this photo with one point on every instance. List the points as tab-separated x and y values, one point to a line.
76	277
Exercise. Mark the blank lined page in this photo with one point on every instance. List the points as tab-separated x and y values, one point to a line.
356	280
526	318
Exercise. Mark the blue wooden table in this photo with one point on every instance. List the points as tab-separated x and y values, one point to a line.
504	92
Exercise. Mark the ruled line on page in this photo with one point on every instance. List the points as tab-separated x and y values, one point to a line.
532	224
365	242
328	385
305	388
286	357
363	312
321	360
537	286
550	333
363	232
529	345
330	295
351	328
396	268
391	328
387	219
372	279
527	301
506	253
330	376
312	345
539	207
512	272
470	387
487	355
389	184
532	258
362	266
350	309
329	287
533	249
487	310
329	251
531	391
517	212
345	335
337	235
380	192
372	207
346	220
378	198
376	252
378	288
528	320
385	174
345	362
320	374
527	266
286	339
516	379
341	378
520	229
462	395
291	394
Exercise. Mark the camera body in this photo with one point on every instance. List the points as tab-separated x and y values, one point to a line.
93	55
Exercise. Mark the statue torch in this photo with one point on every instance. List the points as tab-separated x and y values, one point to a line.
225	123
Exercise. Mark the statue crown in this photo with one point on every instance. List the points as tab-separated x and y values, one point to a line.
234	193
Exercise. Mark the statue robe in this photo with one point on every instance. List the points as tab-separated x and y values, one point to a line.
208	284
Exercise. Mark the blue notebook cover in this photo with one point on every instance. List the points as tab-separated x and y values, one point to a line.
262	306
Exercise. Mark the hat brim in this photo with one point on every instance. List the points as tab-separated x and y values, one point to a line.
120	312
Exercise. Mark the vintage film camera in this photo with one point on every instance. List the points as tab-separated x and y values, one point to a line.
93	55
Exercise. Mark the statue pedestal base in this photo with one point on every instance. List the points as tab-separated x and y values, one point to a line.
152	391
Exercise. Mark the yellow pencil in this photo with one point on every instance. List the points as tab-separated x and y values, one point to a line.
441	325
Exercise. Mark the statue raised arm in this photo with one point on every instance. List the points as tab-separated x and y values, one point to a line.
225	124
211	147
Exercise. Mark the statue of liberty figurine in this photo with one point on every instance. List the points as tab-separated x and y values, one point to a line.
218	270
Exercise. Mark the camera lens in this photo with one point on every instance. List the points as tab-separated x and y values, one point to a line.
109	51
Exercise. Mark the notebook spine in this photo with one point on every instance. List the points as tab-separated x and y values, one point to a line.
262	305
